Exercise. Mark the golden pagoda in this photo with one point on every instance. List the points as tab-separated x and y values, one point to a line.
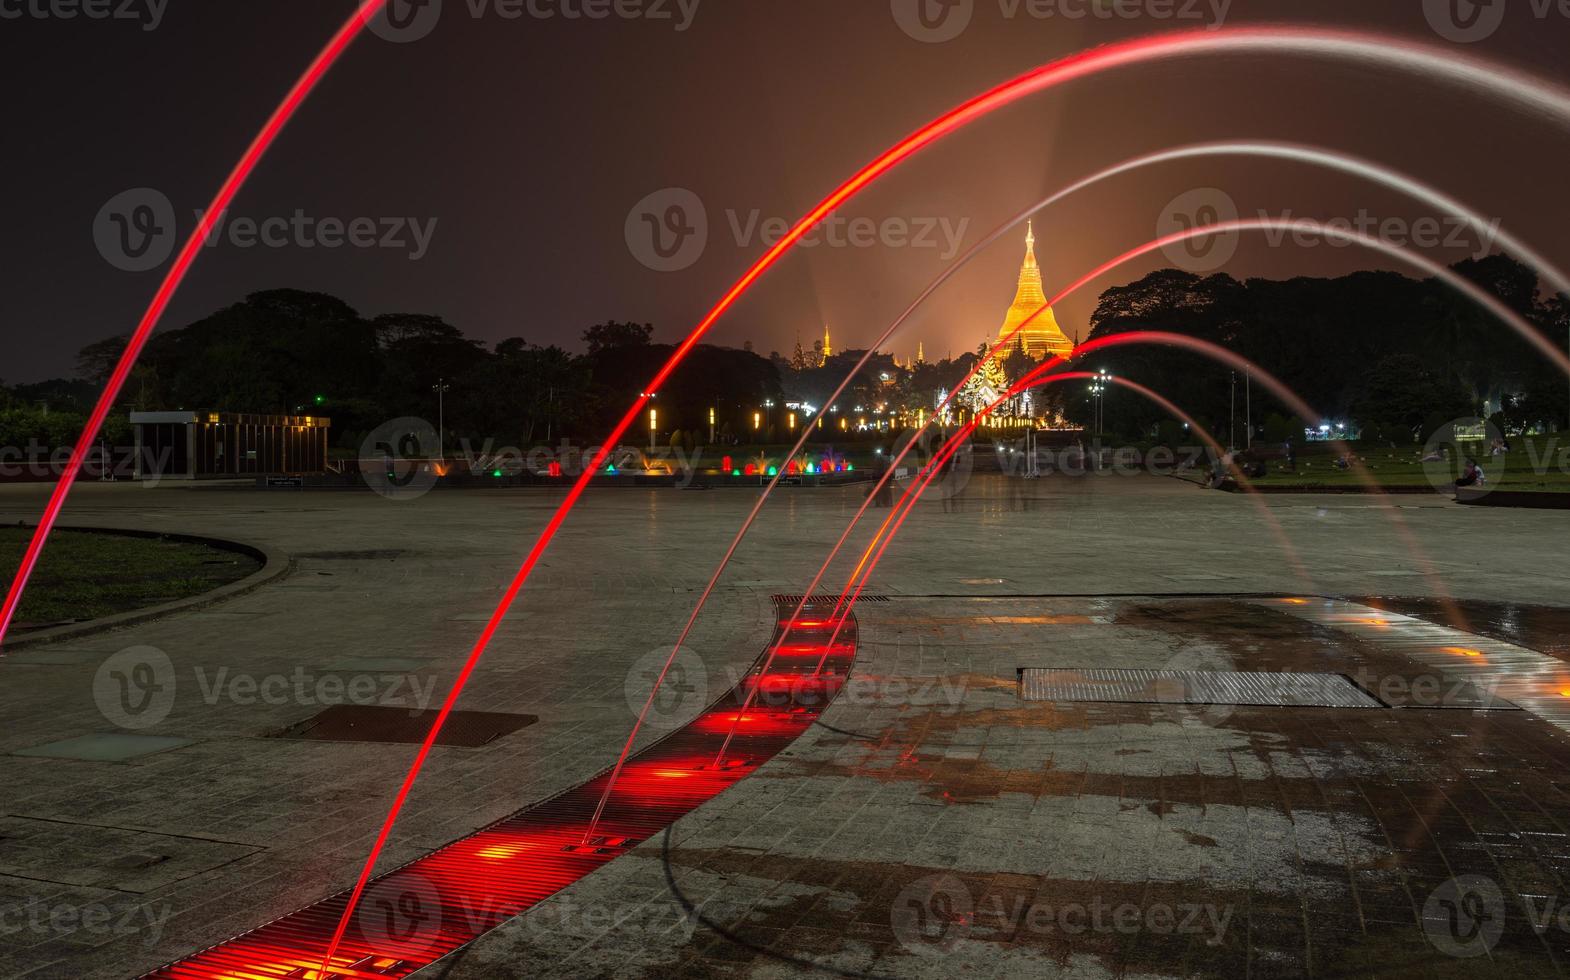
1043	337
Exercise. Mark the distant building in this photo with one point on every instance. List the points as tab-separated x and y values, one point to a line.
1043	338
207	445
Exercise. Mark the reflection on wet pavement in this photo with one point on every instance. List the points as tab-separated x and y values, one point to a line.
937	824
1537	627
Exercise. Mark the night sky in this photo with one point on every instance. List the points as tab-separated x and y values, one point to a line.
529	141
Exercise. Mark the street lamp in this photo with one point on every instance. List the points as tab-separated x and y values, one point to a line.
654	422
1232	418
1098	389
711	426
441	387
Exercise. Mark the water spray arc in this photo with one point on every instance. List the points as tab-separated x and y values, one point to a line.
319	66
1377	173
1449	276
1528	94
1041	374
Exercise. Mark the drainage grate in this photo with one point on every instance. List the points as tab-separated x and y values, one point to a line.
417	914
1192	687
378	723
780	600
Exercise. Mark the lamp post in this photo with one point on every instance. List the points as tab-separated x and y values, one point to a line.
1098	388
1106	383
654	423
1248	410
441	387
1232	418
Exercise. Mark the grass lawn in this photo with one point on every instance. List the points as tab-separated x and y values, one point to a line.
84	575
1539	464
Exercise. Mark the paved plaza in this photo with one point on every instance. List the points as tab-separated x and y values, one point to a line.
933	822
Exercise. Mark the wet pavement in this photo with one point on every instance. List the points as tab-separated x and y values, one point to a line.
931	822
935	824
1538	627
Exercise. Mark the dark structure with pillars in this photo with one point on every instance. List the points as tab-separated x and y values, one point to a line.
194	445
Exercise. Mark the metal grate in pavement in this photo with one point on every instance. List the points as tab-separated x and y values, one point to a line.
1137	686
781	600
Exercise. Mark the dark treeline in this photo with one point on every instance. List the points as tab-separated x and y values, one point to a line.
1396	355
291	352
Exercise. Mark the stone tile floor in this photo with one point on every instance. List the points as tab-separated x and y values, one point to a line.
936	825
188	846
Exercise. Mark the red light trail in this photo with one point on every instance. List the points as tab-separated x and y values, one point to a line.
1288	151
912	495
1523	89
438	903
1516	87
1449	276
275	124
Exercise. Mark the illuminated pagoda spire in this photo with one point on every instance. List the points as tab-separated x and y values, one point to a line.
1043	338
828	345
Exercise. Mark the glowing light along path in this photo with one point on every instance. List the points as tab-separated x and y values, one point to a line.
1523	90
1275	150
1041	375
1312	155
1034	379
1444	273
319	67
1519	88
452	896
913	495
